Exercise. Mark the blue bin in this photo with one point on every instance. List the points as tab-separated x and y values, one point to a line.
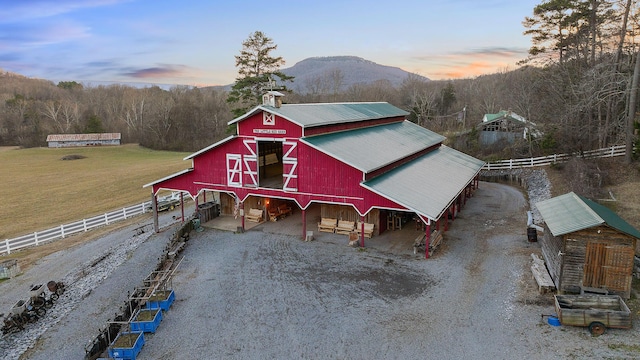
553	321
161	299
148	326
126	353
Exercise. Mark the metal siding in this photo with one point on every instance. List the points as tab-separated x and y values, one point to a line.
373	147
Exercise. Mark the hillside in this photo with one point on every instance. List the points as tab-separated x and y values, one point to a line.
319	71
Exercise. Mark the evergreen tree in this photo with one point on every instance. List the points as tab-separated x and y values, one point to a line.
256	69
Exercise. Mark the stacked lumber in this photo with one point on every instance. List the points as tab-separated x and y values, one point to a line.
541	275
434	241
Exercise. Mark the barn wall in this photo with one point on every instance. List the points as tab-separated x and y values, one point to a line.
492	137
551	246
253	126
573	264
575	245
319	173
325	129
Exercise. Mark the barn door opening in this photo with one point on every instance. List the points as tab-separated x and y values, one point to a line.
270	163
608	266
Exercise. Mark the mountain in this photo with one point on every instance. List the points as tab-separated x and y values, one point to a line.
319	73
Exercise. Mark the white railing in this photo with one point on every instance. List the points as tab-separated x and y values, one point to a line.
618	150
62	231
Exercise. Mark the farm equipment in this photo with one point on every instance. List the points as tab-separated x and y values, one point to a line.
29	310
56	288
597	312
168	202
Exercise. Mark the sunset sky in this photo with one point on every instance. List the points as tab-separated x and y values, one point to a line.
195	42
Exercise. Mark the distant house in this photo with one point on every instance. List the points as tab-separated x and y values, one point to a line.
69	140
505	125
586	246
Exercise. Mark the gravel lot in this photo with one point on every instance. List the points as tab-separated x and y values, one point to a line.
258	295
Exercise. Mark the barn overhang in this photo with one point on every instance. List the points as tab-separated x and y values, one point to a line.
180	181
429	184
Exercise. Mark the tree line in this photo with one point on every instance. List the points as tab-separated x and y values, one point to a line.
577	86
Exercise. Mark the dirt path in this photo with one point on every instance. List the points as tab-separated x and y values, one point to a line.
258	295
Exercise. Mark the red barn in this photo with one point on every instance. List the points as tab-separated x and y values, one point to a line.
363	162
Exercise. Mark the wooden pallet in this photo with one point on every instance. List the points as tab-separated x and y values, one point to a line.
541	275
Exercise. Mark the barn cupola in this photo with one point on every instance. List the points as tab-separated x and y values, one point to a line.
272	98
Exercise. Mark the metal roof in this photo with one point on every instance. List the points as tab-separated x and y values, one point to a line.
84	137
371	148
201	151
310	115
570	212
429	184
182	172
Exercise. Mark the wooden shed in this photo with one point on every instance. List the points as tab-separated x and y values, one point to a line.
586	246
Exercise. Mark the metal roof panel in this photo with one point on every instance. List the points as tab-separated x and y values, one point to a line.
611	218
428	184
567	213
309	115
373	147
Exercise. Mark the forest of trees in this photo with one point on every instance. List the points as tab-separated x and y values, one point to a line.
577	85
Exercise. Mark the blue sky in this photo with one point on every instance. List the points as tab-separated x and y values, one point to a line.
195	42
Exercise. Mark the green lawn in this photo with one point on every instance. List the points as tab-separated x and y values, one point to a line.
39	190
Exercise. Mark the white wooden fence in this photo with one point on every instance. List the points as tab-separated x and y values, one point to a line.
618	150
62	231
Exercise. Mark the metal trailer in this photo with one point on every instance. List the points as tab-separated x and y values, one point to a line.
597	312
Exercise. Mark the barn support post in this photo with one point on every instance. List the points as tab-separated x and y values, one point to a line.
182	206
197	208
427	239
204	196
154	208
241	210
362	231
438	224
304	224
446	219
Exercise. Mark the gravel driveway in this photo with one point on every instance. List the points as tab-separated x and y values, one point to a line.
258	295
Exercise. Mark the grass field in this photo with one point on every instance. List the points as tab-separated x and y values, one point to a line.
39	190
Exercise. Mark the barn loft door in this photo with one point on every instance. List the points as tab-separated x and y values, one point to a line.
251	163
608	266
234	170
290	166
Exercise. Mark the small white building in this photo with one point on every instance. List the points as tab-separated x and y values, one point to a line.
71	140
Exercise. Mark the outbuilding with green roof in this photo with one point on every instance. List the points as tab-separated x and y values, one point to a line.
586	246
